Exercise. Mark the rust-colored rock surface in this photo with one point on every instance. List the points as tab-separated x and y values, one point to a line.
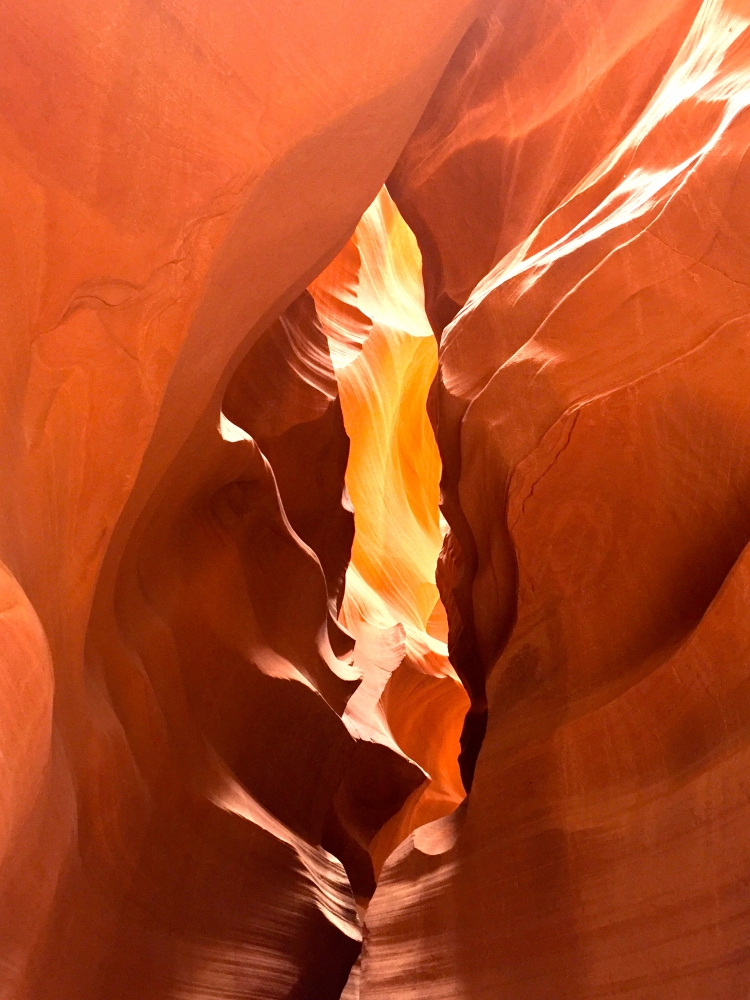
374	575
591	285
173	684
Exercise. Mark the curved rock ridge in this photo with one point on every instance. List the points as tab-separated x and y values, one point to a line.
591	412
285	393
175	178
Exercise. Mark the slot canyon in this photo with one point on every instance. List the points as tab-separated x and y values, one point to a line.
375	512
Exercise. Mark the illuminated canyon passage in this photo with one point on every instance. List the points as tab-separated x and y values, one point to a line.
374	580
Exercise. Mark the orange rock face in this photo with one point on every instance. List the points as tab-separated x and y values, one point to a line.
174	178
591	410
249	669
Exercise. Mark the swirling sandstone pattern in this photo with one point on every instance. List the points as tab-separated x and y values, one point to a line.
232	398
592	289
174	175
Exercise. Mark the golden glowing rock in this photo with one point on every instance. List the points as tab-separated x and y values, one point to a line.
384	353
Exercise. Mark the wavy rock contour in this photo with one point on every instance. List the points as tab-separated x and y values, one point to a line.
374	560
175	177
591	414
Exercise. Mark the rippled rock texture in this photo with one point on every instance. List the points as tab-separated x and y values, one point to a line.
249	669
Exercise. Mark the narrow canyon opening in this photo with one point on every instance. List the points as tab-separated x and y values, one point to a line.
335	393
374	290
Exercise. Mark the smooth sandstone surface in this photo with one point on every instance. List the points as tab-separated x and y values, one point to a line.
592	415
325	503
174	175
